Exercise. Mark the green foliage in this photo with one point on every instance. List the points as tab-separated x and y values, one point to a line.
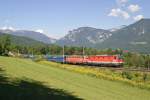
136	60
126	74
4	44
145	77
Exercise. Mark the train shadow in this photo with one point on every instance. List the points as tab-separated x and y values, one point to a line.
26	89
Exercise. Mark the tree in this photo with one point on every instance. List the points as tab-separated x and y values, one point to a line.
5	43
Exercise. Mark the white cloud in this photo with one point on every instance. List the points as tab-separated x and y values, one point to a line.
125	9
119	13
134	8
8	28
40	31
114	12
122	1
125	15
138	17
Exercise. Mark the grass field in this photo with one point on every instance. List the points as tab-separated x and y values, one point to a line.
29	80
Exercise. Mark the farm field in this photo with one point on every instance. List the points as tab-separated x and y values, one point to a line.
31	80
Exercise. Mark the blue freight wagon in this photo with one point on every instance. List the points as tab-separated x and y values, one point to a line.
56	59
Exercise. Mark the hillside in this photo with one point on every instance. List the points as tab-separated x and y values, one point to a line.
30	34
85	36
22	41
134	37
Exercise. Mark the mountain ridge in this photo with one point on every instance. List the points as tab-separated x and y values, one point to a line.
30	34
134	37
84	36
22	41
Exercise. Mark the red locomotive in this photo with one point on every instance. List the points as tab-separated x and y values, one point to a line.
109	60
76	59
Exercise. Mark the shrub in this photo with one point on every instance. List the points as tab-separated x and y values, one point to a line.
144	77
126	74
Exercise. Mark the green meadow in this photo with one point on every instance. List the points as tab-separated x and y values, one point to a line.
23	79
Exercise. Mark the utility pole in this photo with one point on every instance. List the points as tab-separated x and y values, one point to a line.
63	53
83	52
148	65
148	61
32	53
18	52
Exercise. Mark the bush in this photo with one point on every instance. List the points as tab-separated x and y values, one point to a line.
127	75
144	77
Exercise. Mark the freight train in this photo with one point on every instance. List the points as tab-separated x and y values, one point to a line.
96	60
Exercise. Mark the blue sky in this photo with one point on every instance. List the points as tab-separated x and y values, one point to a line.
57	17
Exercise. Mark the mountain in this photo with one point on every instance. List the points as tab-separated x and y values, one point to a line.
22	41
84	36
30	34
134	37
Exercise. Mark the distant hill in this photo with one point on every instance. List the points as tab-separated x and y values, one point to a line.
30	34
135	37
85	36
22	41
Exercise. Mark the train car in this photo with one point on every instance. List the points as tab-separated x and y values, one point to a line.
105	60
75	59
59	59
